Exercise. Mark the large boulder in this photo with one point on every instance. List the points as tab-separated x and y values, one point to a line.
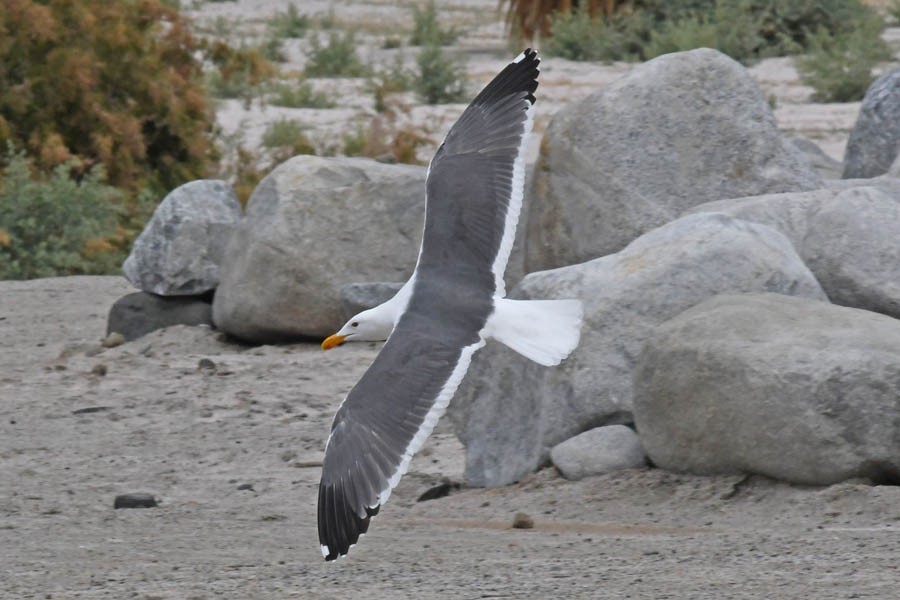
509	411
313	225
790	388
677	131
180	251
848	239
875	139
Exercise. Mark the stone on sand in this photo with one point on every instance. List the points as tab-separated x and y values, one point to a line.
182	246
509	411
598	451
313	225
790	388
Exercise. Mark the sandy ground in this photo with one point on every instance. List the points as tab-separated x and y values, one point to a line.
70	441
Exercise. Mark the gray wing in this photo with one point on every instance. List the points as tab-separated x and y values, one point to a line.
476	178
471	211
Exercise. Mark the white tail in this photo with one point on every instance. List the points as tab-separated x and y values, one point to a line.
545	331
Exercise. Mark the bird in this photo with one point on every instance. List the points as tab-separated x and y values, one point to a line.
453	302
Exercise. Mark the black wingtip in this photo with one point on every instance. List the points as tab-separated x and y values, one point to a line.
521	75
339	525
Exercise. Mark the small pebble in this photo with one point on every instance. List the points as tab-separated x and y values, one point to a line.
113	339
135	500
204	365
246	486
100	369
522	521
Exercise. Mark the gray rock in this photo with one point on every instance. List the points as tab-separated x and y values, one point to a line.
509	411
137	314
357	297
825	166
848	239
181	248
875	139
853	247
598	451
313	225
797	390
894	171
677	131
135	500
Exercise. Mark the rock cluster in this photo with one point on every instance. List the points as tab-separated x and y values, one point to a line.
742	303
672	193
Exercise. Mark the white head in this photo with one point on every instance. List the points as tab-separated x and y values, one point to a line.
373	325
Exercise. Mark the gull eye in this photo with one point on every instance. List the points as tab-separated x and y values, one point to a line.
354	324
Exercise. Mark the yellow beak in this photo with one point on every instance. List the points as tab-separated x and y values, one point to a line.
331	341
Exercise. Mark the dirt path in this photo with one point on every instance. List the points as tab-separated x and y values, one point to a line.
70	441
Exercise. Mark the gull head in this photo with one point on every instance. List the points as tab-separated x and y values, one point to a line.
371	325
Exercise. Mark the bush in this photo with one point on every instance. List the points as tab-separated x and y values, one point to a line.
382	139
239	72
391	80
337	59
115	83
56	225
301	95
839	68
440	79
745	29
289	24
427	29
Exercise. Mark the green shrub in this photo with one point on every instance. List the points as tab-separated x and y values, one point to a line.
440	79
56	225
427	29
390	80
839	68
893	10
272	49
732	29
116	83
382	139
286	138
337	59
289	24
578	36
301	95
744	29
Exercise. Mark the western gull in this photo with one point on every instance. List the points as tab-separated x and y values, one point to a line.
453	302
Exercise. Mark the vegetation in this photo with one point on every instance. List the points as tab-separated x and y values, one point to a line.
301	95
286	138
57	224
391	80
111	83
336	59
529	18
745	29
840	67
384	141
441	79
289	24
427	29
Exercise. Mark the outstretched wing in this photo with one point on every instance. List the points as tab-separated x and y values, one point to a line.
382	423
474	190
477	177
